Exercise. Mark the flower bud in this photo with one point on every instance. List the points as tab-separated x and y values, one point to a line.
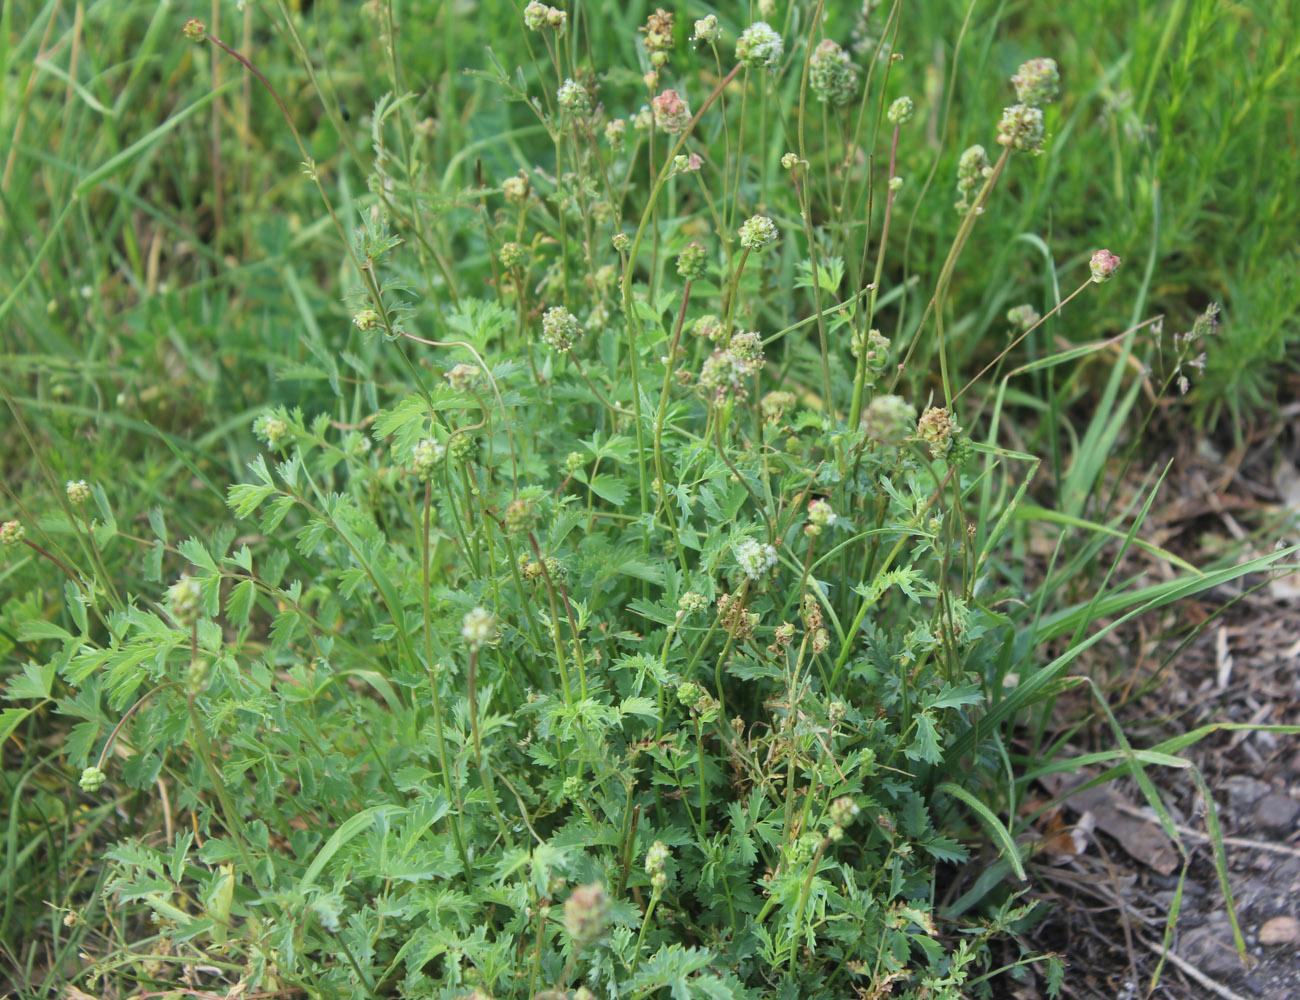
1037	82
78	492
692	261
478	627
586	912
759	47
1103	265
758	233
92	779
901	111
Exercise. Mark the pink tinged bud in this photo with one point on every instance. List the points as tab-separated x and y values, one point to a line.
1103	265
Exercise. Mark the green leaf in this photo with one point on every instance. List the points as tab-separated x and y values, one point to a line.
1010	853
610	489
239	603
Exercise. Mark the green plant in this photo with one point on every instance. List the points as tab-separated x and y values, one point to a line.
610	621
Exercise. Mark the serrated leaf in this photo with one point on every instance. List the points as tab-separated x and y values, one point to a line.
609	488
240	603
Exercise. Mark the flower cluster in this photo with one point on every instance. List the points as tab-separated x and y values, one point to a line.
615	133
734	618
271	429
873	349
658	39
776	404
656	860
366	319
691	602
185	601
12	532
831	75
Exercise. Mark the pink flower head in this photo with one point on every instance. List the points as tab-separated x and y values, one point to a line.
1103	265
672	114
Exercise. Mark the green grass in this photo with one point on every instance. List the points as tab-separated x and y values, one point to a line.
310	779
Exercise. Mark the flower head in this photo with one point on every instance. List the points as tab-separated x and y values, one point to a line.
692	261
78	492
194	30
366	319
758	233
759	47
478	627
972	170
672	114
560	329
1103	266
754	558
937	428
425	457
12	532
1037	82
573	97
615	132
821	513
92	779
185	600
707	30
888	420
586	912
1024	316
901	111
1021	129
831	75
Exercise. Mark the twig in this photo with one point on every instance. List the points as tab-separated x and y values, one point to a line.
1194	972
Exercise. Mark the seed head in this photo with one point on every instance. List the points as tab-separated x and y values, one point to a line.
586	913
759	47
1037	82
831	74
560	329
901	111
1103	265
1021	129
194	30
12	532
758	233
672	114
937	428
185	600
821	641
707	30
78	492
888	420
366	319
692	261
92	779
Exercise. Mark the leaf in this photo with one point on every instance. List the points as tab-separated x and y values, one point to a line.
1000	833
925	746
239	603
611	489
351	828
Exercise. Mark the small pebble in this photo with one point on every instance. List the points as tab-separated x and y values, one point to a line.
1280	930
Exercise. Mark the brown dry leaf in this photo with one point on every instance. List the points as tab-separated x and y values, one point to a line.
1142	841
70	992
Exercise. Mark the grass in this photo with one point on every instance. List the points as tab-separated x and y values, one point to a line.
387	675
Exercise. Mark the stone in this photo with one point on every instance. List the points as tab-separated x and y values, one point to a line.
1277	814
1280	930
